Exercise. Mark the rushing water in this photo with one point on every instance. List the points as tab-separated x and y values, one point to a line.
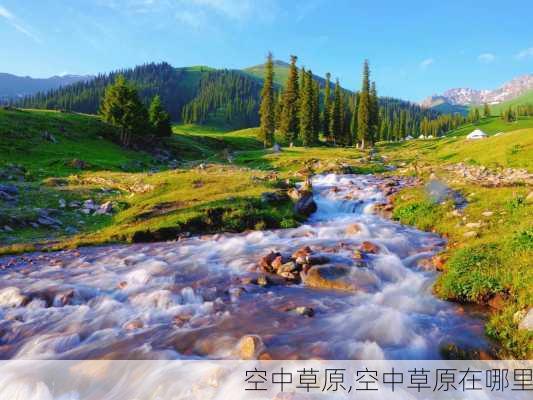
192	298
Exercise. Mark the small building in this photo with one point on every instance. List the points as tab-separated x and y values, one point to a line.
477	134
408	137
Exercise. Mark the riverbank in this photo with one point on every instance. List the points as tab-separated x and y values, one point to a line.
219	297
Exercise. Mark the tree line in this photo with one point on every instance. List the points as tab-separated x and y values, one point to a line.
303	113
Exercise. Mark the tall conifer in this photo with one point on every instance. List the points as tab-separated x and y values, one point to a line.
267	109
335	115
327	108
364	118
289	114
306	109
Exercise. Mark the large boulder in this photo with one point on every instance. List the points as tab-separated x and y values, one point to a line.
333	277
249	347
306	204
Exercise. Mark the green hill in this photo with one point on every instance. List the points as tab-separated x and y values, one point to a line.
526	98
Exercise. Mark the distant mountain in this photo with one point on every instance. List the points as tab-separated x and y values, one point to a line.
281	72
15	87
465	97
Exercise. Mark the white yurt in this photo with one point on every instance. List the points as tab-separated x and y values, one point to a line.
408	137
477	134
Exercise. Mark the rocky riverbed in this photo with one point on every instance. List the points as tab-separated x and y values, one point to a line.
347	284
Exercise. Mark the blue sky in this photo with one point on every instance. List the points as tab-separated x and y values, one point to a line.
416	48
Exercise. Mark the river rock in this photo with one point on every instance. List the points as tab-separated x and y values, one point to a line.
266	262
329	277
273	197
438	262
305	311
487	214
474	225
497	301
249	347
305	205
353	229
369	247
12	297
300	255
134	324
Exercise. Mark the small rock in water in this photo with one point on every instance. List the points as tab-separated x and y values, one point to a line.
353	229
249	347
132	325
369	247
12	297
305	311
266	261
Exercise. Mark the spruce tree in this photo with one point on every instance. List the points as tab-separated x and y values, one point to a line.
486	110
289	114
267	109
316	111
374	113
122	108
364	114
327	108
335	115
159	118
306	109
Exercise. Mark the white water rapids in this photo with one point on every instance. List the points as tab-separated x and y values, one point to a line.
191	299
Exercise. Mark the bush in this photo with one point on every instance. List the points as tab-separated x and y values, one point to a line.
472	274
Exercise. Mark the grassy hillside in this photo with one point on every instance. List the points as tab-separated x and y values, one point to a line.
77	136
216	184
511	149
526	98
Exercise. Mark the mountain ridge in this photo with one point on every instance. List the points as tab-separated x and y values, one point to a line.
509	90
14	87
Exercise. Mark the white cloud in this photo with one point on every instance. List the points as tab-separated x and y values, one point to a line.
486	58
426	63
17	24
526	53
194	19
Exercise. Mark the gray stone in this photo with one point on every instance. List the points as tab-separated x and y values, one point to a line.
527	322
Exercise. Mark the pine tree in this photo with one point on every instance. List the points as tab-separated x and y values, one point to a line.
122	108
316	111
486	110
353	121
306	109
335	115
374	113
289	116
364	114
327	108
159	118
267	109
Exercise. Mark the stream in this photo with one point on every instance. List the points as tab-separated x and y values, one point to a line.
196	298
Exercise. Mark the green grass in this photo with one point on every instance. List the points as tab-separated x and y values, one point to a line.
219	196
78	136
511	149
